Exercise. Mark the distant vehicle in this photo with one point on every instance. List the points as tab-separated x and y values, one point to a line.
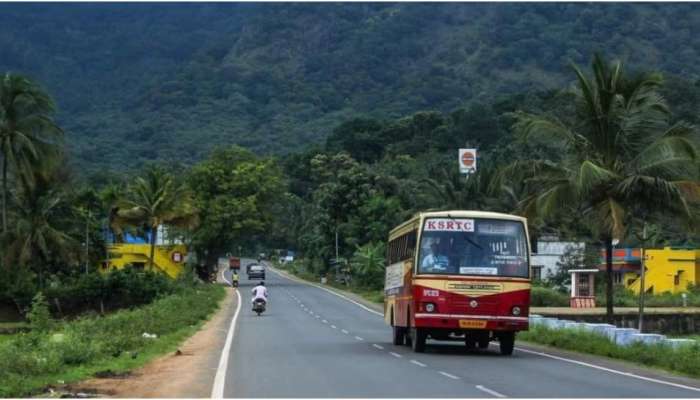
458	275
247	267
234	263
256	271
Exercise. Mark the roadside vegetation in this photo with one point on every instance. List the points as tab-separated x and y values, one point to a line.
57	352
684	359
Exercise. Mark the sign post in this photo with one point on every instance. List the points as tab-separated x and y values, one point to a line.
467	161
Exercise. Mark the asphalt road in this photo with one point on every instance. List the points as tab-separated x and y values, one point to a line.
311	343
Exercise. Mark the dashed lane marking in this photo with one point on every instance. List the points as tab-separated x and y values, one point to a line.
378	346
489	391
344	331
334	327
418	363
359	338
397	355
443	373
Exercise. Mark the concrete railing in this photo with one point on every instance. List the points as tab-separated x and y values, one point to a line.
620	336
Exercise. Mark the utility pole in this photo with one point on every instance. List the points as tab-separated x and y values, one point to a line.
87	241
646	236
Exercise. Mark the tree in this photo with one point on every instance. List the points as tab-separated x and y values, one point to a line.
38	237
28	135
155	199
368	264
620	154
234	191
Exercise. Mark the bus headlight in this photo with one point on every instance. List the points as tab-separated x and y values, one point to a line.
516	310
430	307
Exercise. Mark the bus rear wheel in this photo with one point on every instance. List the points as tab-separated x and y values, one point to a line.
507	343
399	335
418	337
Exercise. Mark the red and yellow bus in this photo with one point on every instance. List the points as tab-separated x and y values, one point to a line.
458	275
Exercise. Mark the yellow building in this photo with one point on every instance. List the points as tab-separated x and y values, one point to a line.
169	259
667	270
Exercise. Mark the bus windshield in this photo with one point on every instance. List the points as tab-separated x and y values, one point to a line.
464	246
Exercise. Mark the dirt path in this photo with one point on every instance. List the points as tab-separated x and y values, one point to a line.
186	375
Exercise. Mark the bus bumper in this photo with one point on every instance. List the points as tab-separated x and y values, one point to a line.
471	322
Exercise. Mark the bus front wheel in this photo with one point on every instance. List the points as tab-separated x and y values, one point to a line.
399	335
507	342
418	337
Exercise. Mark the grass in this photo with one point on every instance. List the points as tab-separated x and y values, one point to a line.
29	362
685	360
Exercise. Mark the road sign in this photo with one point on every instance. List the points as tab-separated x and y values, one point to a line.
467	161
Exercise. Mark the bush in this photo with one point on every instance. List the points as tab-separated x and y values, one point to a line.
28	360
39	316
547	297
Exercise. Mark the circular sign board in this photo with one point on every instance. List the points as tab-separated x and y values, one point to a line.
177	257
468	159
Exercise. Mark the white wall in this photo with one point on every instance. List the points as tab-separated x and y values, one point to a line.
549	253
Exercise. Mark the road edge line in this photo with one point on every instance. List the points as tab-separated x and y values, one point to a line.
614	371
294	278
217	391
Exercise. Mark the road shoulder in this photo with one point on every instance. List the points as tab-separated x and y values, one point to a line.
188	373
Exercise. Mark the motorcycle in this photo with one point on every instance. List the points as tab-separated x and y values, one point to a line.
259	306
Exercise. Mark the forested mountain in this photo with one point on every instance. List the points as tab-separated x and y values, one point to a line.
139	82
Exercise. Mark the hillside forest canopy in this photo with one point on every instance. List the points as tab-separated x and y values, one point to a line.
282	126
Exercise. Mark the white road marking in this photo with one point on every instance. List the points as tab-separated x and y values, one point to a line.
217	391
489	391
318	316
344	331
325	322
378	346
448	375
329	291
223	276
359	338
418	363
614	371
397	355
333	326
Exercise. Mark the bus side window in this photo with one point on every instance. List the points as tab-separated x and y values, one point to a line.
411	244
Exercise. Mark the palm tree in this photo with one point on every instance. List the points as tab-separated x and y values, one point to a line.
619	154
28	135
153	200
37	237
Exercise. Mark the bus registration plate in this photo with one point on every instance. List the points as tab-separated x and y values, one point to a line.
472	323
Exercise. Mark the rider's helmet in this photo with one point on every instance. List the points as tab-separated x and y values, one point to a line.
262	283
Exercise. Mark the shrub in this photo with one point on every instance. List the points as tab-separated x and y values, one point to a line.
39	316
546	297
28	358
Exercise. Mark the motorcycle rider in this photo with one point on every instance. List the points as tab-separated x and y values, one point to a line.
234	278
259	292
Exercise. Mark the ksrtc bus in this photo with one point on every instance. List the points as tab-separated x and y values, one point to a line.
458	275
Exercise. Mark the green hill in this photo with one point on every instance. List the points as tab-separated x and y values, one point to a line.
138	82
